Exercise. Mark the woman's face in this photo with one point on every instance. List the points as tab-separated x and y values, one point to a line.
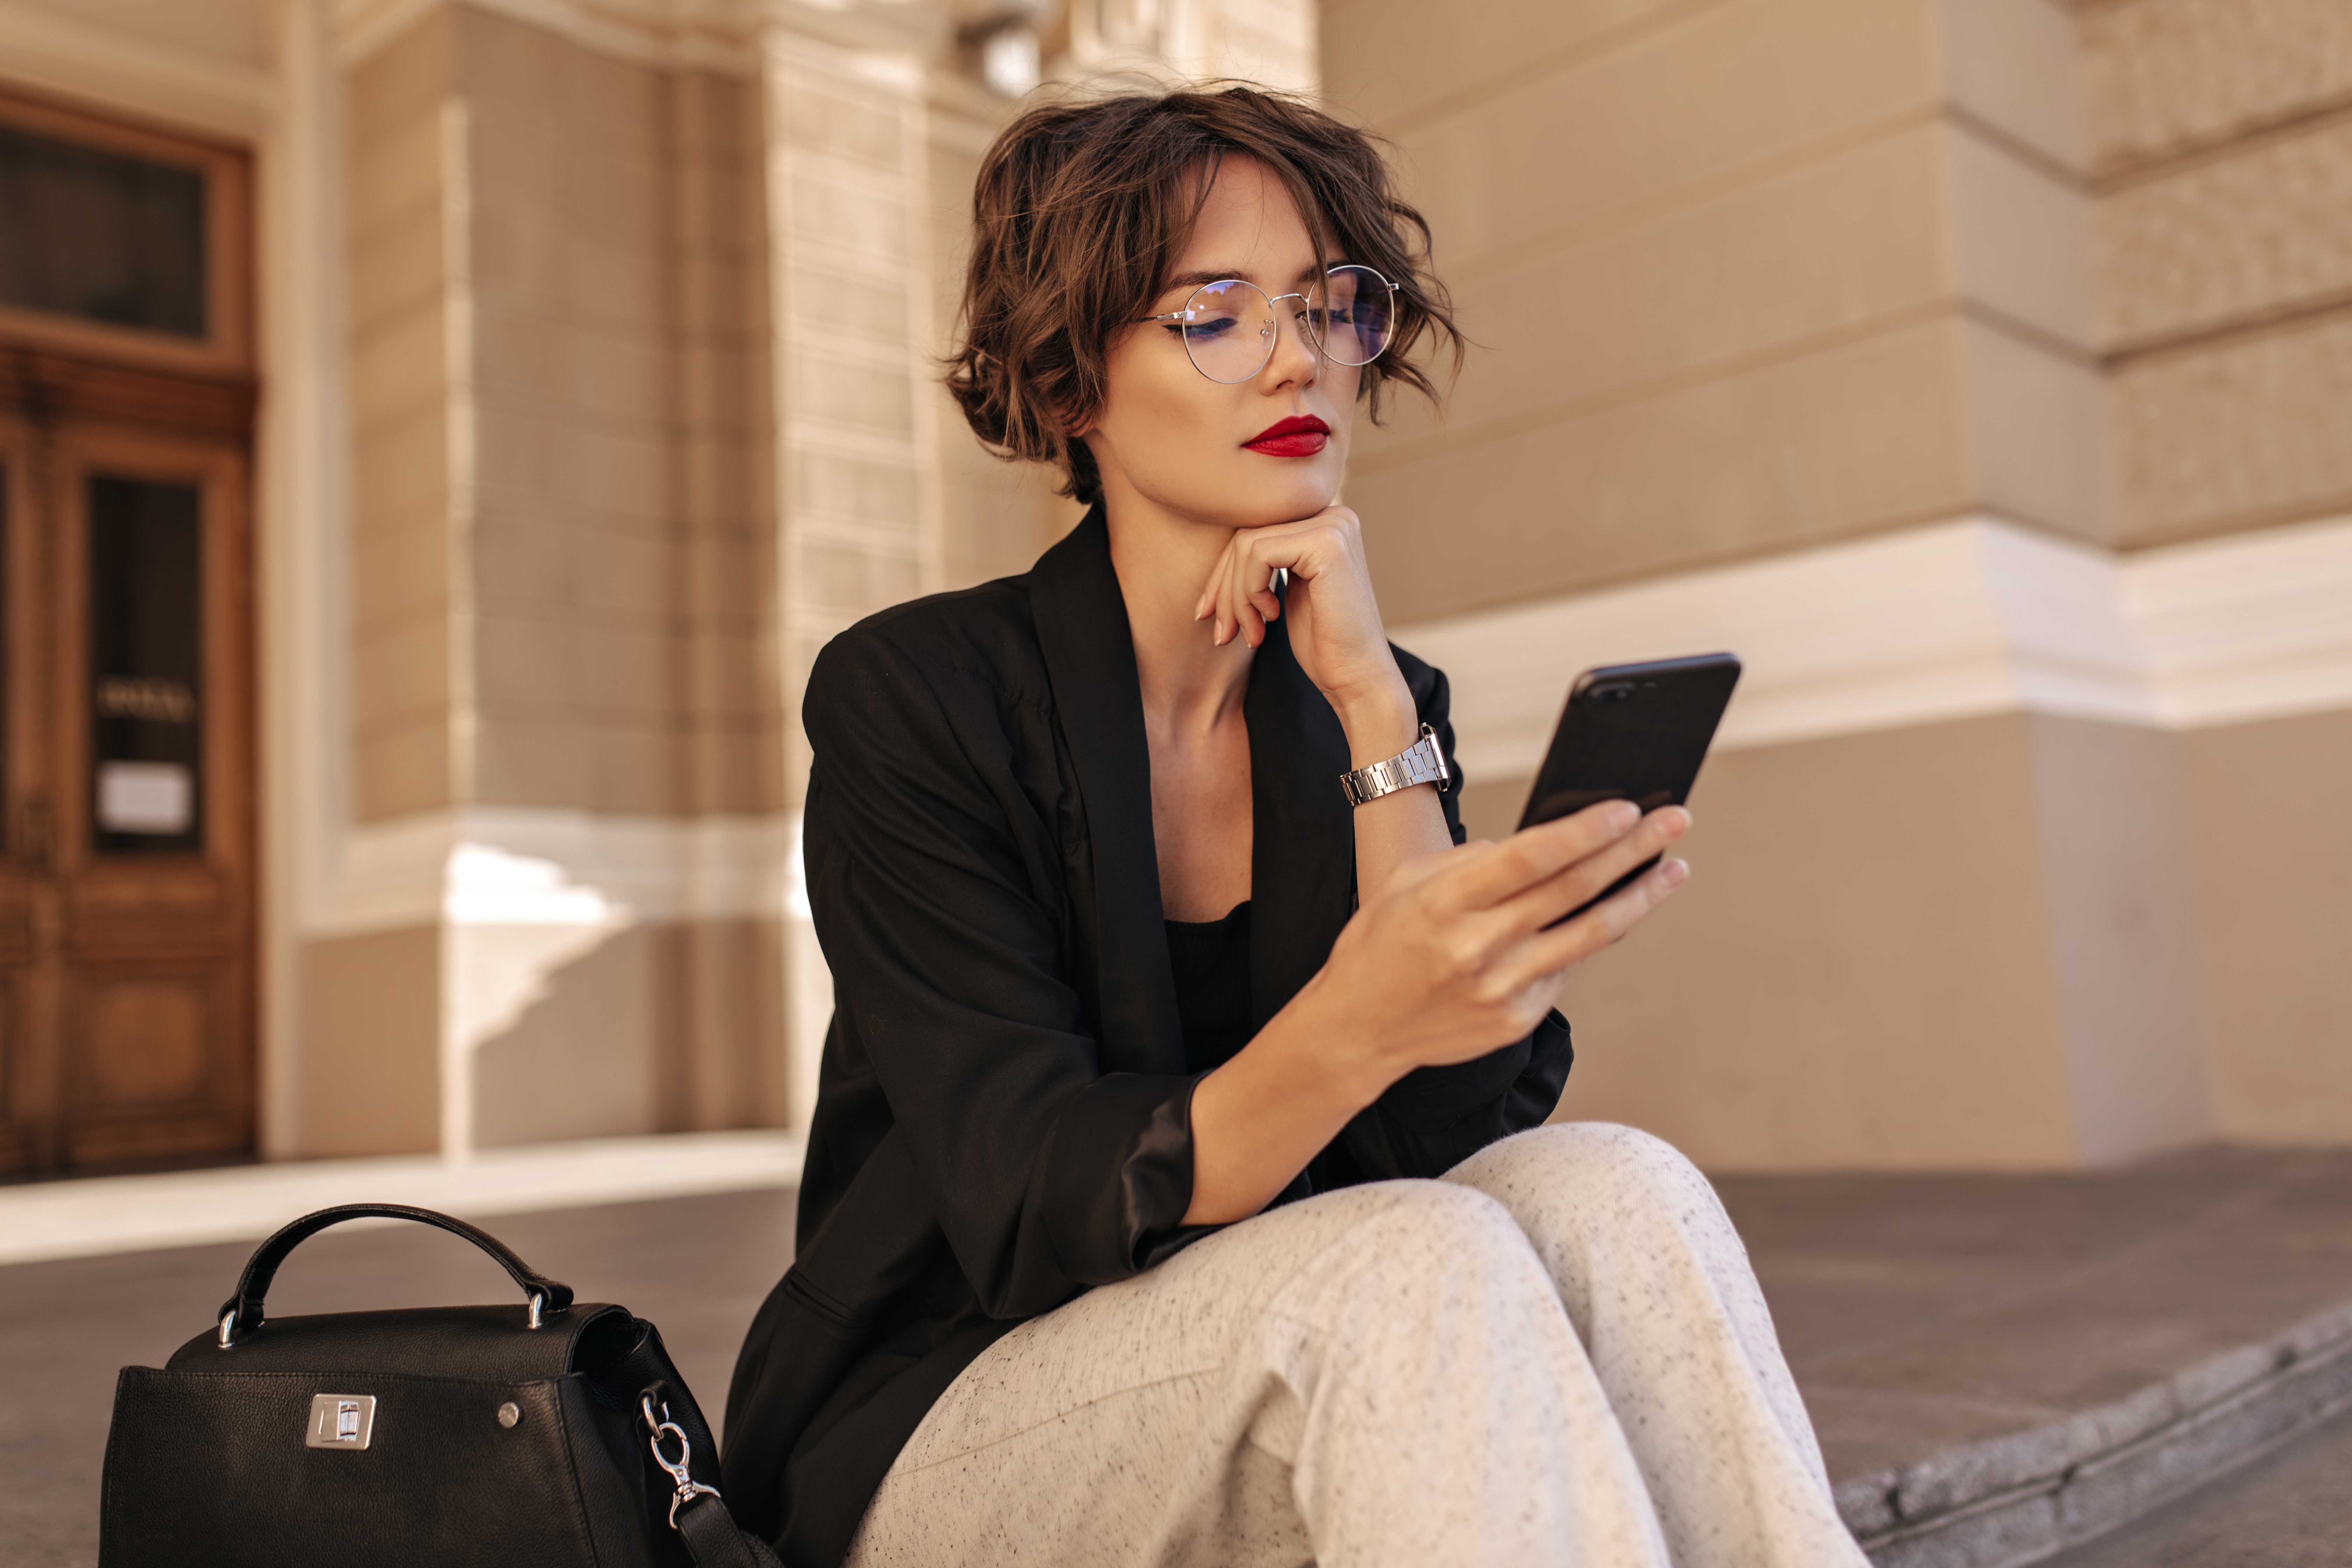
1199	449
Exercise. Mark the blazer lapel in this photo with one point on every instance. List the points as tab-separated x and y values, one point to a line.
1089	652
1303	853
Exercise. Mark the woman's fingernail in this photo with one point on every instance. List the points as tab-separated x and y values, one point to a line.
1623	814
1672	873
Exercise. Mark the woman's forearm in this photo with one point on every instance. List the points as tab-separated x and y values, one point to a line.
1259	1118
1396	828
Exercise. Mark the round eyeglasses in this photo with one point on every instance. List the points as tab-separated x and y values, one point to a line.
1228	327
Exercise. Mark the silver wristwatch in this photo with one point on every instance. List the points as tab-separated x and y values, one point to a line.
1419	763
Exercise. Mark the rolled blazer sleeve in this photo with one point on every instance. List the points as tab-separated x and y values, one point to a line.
937	892
1433	1118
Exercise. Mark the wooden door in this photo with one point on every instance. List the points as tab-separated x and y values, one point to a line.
126	723
126	890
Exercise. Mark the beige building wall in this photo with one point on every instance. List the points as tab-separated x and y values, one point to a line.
1755	273
2220	146
601	345
403	141
2273	865
1883	344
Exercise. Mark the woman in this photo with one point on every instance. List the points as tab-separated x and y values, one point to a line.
1104	1254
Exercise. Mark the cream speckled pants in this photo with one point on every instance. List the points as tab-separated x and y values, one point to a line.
1557	1354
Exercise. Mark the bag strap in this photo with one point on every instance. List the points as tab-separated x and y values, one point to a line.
242	1313
714	1541
697	1511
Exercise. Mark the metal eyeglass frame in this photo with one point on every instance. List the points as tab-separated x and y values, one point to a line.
1271	301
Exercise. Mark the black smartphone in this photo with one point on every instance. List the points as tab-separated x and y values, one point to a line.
1632	732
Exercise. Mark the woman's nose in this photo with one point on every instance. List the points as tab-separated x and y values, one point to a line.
1289	346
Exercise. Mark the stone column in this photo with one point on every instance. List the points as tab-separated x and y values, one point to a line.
555	913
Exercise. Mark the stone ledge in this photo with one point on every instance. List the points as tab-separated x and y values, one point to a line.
2020	1498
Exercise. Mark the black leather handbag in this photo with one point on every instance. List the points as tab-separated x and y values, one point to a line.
550	1432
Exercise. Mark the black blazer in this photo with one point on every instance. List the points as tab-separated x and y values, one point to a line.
1003	1113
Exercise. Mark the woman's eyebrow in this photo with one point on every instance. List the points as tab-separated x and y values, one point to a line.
1194	280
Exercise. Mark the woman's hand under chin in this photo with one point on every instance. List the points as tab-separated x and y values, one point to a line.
1335	621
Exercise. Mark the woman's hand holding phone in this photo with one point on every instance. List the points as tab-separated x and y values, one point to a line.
1458	954
1454	954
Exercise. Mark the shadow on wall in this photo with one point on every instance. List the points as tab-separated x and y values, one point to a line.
660	1027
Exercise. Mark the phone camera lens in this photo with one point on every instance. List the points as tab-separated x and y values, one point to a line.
1614	691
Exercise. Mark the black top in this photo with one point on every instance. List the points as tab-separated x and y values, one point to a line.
1210	961
1004	1100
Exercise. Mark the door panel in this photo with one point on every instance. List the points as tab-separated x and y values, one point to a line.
151	1063
126	886
146	1043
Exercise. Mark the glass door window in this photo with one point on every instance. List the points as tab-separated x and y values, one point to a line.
104	236
146	666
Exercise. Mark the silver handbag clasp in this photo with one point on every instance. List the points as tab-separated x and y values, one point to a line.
661	1427
340	1421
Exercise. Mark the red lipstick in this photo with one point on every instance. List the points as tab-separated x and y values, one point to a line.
1300	435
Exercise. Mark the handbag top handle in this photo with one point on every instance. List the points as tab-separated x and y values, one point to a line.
242	1313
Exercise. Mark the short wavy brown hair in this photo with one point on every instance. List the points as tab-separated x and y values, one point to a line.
1079	213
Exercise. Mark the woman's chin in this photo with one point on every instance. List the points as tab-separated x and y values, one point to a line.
1288	502
1252	501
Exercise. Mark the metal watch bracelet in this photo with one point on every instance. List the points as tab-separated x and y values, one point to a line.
1422	763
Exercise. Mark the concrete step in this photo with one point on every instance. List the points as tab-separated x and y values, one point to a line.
2291	1507
2030	1495
2003	1367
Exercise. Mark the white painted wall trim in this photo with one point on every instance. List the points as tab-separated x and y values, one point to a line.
1947	621
503	866
2257	625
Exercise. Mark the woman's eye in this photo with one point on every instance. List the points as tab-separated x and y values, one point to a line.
1213	326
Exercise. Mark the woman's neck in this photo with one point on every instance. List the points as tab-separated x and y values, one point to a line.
1163	562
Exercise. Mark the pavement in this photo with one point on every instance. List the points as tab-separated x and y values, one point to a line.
2015	1322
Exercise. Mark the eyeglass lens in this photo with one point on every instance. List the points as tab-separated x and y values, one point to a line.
1230	327
1358	311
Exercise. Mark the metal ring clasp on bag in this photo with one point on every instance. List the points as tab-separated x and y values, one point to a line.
688	1487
